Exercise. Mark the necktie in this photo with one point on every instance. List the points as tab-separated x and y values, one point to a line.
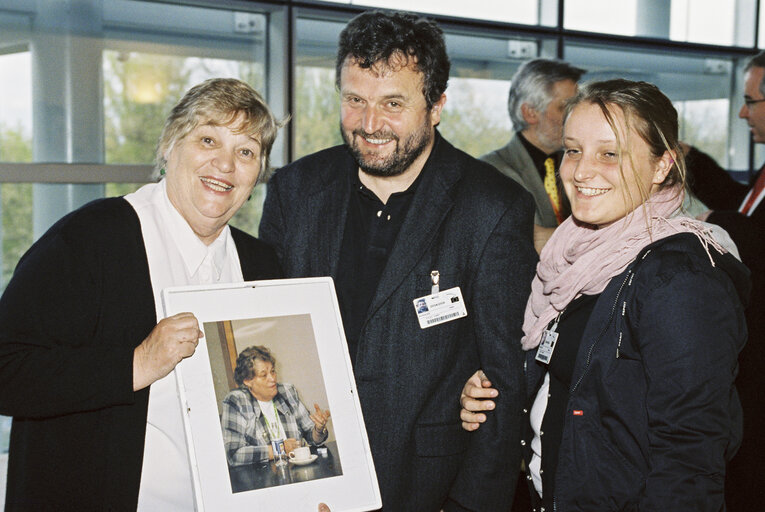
551	188
753	194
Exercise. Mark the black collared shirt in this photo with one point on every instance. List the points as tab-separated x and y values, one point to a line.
371	228
538	157
571	329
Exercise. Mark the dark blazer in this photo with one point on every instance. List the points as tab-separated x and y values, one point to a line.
652	415
714	186
474	226
79	303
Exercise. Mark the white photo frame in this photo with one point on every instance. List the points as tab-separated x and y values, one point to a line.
308	306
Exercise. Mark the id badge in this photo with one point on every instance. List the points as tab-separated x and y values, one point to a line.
441	307
546	346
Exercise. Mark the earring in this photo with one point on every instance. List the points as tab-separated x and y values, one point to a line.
162	172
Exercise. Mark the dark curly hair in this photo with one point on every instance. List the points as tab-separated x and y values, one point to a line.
378	36
245	362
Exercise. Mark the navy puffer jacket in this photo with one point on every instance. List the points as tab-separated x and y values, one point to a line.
653	415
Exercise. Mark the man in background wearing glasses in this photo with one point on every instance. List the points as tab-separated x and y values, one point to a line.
738	208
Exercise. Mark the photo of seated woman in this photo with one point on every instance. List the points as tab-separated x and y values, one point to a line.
263	414
271	401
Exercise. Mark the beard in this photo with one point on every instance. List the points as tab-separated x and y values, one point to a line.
551	138
404	154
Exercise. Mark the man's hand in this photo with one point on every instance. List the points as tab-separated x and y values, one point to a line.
475	397
541	236
172	339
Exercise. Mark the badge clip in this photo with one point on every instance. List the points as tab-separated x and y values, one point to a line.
547	344
435	277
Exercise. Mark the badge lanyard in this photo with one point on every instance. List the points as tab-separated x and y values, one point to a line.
547	344
273	431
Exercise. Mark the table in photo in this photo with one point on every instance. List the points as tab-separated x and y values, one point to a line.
266	474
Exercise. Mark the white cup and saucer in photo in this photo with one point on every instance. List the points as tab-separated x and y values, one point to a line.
301	456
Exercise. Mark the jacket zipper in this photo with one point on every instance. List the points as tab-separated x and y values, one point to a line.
589	354
605	328
629	276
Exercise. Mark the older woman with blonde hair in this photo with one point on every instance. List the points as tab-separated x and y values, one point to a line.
82	339
634	324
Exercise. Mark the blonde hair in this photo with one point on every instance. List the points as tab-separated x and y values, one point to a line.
219	101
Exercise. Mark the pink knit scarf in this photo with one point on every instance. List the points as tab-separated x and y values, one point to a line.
580	259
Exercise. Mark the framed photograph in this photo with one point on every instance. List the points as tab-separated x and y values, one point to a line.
272	368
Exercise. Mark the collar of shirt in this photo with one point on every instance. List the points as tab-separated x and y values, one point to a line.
193	251
538	156
367	193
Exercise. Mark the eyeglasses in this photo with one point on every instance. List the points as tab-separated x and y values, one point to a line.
749	102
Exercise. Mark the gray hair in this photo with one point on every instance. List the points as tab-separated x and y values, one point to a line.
533	83
757	61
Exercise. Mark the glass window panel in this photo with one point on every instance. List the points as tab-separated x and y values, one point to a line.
15	146
317	108
16	107
517	11
16	203
722	22
607	16
703	21
141	88
700	122
475	117
316	113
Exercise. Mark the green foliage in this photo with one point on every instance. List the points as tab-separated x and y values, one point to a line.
15	203
704	124
472	131
471	120
317	110
139	92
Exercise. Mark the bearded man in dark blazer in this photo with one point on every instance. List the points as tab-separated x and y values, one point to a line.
389	214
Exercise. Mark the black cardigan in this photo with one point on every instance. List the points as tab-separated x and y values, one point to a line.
79	302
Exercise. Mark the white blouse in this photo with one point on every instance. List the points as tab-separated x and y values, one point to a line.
176	257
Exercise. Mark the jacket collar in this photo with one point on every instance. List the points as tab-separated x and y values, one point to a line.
432	201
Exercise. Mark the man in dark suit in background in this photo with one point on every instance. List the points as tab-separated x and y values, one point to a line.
392	214
738	208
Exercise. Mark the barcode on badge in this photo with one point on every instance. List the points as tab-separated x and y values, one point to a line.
442	318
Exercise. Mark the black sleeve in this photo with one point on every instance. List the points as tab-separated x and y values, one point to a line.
487	478
689	353
712	184
67	328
